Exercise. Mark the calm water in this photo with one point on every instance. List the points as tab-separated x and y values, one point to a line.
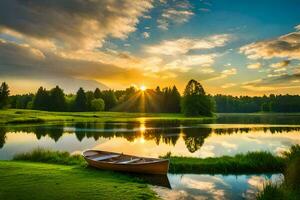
228	135
151	139
195	186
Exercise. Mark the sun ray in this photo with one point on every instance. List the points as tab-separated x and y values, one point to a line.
143	88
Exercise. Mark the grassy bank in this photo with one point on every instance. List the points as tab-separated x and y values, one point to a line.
24	180
19	116
252	162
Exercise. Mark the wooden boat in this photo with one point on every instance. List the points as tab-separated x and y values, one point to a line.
127	163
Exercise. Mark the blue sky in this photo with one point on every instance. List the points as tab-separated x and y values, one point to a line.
231	47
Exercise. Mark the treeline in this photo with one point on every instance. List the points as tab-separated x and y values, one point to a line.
193	102
166	100
56	100
246	104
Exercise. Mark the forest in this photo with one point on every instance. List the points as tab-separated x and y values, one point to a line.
246	104
194	101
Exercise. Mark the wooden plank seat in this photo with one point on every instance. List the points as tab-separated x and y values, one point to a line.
129	161
105	157
92	153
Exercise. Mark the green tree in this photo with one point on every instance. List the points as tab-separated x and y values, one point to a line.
80	101
195	102
4	94
109	98
265	107
70	102
175	100
57	99
23	100
89	98
97	93
29	105
41	99
97	105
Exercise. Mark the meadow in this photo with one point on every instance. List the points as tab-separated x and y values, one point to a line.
27	180
21	116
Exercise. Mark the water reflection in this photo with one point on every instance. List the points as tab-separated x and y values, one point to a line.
154	179
258	118
195	186
152	138
2	137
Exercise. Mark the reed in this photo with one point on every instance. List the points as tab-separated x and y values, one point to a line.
290	188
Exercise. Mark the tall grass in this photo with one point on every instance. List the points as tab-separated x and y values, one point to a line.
48	156
271	191
290	188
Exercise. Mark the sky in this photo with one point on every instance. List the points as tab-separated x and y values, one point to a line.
246	47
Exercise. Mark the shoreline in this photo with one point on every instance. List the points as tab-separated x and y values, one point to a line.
23	116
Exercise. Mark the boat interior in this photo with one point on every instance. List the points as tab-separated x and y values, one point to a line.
115	158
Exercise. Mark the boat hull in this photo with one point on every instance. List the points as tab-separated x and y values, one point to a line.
159	166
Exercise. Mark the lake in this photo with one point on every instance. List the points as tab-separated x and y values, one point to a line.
230	134
203	186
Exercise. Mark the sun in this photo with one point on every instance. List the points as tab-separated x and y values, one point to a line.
143	88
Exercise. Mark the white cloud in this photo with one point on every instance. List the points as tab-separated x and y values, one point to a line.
280	69
146	35
228	85
184	45
225	73
228	72
191	60
280	64
206	70
178	13
254	66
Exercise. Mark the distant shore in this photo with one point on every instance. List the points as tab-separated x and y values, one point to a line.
24	116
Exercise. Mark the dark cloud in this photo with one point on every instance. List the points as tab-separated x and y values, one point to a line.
283	63
286	46
72	23
287	77
275	83
22	61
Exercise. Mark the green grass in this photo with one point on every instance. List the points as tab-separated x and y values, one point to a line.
252	162
25	180
19	116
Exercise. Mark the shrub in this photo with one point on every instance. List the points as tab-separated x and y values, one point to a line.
97	105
